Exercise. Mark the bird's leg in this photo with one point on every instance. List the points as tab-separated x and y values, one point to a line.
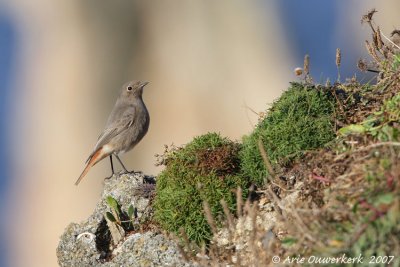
112	165
112	168
126	171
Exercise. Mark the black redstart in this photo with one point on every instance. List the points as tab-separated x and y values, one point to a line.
128	123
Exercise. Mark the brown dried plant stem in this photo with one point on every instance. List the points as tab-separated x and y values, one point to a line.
306	68
227	213
265	158
338	62
239	201
185	239
378	145
181	250
209	217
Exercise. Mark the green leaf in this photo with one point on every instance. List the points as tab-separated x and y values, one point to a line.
384	199
289	241
355	208
112	203
352	128
396	62
110	216
131	211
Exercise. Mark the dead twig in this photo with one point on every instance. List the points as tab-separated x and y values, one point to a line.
265	158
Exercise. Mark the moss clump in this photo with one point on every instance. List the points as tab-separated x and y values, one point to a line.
207	169
301	119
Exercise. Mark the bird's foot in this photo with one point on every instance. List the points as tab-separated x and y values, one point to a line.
129	172
109	177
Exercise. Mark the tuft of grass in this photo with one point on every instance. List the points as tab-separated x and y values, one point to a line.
205	170
300	120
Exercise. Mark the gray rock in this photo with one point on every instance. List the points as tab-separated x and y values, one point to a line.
89	243
148	249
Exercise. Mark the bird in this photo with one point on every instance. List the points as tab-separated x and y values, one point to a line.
127	124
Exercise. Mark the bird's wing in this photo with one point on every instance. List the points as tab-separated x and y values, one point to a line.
113	129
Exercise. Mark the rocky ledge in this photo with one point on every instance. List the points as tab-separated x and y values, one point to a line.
131	241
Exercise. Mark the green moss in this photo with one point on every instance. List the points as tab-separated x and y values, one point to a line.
206	169
301	119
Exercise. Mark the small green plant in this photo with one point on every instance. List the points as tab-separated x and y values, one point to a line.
379	124
301	119
396	61
205	170
124	219
114	215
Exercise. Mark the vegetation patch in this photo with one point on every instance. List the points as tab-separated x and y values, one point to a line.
300	120
343	196
380	124
205	170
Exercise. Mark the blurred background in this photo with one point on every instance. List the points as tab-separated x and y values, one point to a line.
209	62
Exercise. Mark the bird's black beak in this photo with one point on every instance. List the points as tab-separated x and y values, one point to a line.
143	84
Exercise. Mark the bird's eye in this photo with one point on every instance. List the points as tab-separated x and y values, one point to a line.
129	88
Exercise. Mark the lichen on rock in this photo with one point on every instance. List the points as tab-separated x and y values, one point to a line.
89	243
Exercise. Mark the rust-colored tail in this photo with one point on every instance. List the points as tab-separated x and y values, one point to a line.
93	159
